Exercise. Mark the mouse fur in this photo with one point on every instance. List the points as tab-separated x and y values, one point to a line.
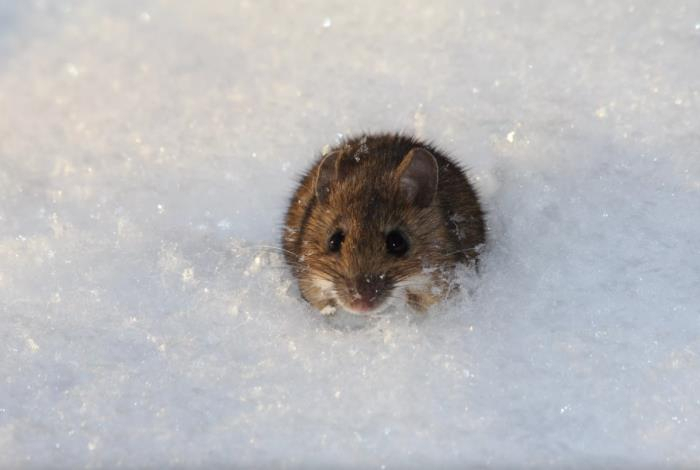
378	220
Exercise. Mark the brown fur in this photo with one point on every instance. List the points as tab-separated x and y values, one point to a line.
365	201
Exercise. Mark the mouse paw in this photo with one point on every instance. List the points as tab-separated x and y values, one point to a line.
328	310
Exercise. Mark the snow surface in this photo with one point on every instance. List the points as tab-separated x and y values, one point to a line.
147	151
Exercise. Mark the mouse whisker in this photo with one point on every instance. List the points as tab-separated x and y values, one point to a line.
464	251
275	249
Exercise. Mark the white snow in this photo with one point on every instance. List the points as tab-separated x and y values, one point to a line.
147	151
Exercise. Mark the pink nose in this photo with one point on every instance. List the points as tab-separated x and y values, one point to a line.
362	305
369	290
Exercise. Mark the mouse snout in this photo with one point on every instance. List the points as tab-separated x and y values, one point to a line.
368	291
370	286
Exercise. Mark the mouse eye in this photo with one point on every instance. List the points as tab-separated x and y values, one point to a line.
396	243
335	241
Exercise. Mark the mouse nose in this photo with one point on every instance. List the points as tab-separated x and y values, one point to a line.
369	288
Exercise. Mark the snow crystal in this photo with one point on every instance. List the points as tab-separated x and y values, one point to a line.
147	155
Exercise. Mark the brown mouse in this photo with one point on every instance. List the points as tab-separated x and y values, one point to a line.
379	220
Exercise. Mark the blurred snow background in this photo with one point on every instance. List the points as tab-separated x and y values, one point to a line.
147	150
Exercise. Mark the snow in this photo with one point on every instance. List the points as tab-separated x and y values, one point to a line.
147	151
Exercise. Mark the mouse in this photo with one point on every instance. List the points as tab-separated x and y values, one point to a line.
379	220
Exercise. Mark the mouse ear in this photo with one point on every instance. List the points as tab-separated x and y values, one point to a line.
418	177
324	176
332	168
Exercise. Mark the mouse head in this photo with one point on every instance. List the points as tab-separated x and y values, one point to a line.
375	235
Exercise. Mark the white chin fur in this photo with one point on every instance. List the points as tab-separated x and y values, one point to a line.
420	281
417	282
325	287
